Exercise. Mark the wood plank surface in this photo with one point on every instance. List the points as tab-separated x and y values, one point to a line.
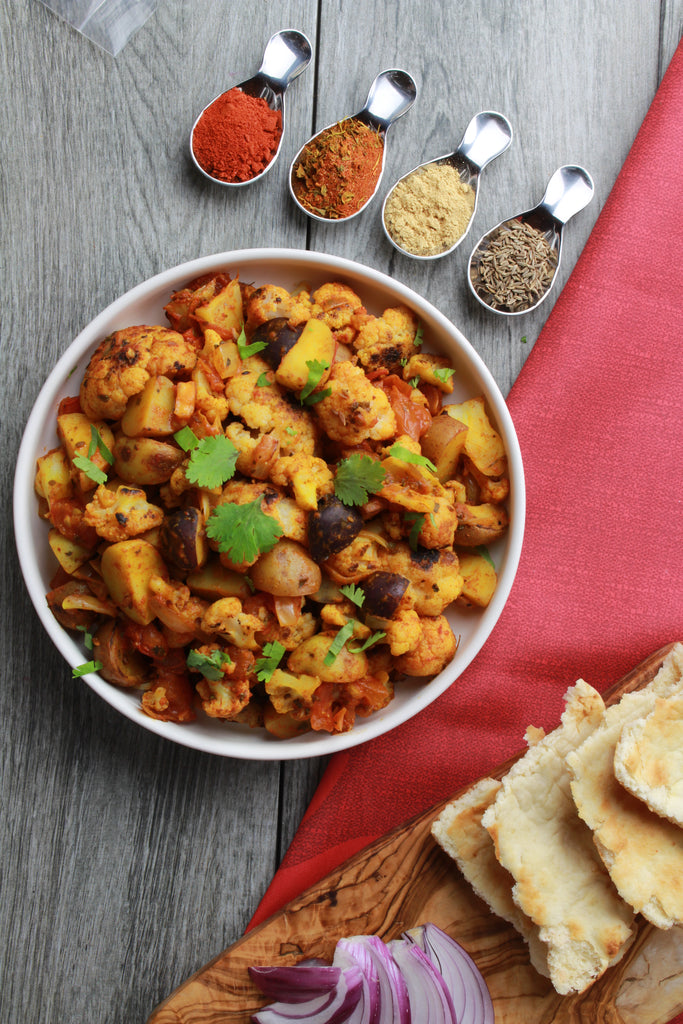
125	862
404	880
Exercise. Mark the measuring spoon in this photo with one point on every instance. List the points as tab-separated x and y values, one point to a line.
568	191
286	55
391	94
487	136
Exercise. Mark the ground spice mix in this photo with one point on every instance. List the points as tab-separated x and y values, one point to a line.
429	210
338	170
237	136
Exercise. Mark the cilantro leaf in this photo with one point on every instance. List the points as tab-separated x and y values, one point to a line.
248	350
397	451
243	532
291	431
482	550
272	656
358	477
92	471
210	665
340	639
354	594
419	336
370	642
212	462
416	521
414	381
316	369
85	669
98	445
186	438
263	381
443	373
87	637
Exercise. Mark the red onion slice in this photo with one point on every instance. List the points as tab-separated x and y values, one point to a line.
394	1007
333	1007
367	1010
471	997
296	984
430	999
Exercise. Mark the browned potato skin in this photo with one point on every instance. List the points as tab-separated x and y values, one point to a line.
145	461
479	524
443	444
122	664
286	570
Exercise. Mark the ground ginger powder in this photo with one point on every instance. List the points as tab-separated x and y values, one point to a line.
429	210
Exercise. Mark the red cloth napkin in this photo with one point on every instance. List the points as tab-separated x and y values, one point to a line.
598	412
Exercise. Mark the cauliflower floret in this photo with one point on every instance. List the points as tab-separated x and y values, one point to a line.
271	301
338	615
355	410
403	631
124	362
337	305
227	618
354	562
269	410
176	606
434	575
425	366
308	477
224	699
291	694
121	514
384	341
435	649
256	454
271	629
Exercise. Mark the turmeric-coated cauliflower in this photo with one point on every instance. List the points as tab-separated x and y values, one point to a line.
266	408
434	575
355	410
227	618
435	649
124	362
337	305
309	478
272	301
384	341
120	514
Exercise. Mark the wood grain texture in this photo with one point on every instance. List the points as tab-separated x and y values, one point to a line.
126	862
403	880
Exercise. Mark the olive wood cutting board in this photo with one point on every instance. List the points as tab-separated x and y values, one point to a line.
405	879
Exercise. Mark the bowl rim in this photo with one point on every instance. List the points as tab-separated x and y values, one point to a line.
24	510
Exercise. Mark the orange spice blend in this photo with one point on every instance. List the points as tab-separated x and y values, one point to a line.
237	136
339	169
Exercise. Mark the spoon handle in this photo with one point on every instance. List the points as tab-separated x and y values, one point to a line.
391	94
286	55
487	136
569	190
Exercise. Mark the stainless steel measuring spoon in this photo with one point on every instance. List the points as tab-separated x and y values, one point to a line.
487	136
568	191
286	55
391	94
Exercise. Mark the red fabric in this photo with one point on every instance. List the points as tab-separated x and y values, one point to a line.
597	409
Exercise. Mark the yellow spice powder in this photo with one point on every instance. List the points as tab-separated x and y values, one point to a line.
428	211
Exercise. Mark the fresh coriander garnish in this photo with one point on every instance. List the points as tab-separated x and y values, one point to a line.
85	669
87	637
357	478
443	374
418	339
263	381
291	431
210	665
272	656
340	639
370	642
523	339
316	369
416	521
212	462
248	350
482	550
404	361
243	532
397	451
186	438
92	471
414	381
354	594
98	445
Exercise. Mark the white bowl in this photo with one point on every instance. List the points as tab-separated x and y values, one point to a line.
144	305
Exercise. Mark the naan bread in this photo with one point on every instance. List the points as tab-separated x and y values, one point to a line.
648	759
559	879
642	851
459	831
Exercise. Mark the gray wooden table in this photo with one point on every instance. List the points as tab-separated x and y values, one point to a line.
127	862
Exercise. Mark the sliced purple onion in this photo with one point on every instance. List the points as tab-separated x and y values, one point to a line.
332	1007
430	1000
471	997
348	953
297	983
394	1007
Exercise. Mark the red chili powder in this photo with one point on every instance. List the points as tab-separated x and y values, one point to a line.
237	136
